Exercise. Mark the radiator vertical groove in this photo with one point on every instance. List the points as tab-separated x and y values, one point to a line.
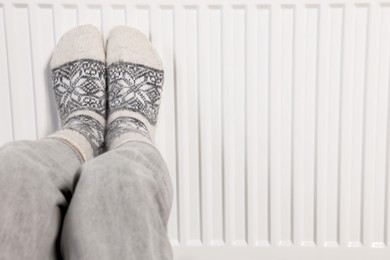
19	56
7	131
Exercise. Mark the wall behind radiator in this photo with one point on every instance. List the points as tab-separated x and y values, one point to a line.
274	120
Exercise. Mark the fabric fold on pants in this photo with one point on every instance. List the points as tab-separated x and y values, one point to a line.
115	206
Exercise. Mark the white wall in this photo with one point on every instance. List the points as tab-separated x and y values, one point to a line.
274	123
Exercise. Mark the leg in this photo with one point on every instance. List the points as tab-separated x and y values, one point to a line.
120	207
35	184
36	177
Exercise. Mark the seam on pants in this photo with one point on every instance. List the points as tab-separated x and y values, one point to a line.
168	194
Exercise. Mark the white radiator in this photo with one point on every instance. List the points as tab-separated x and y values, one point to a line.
275	120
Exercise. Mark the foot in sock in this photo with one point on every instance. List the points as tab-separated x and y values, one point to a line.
78	75
135	79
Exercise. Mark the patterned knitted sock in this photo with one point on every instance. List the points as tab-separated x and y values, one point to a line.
135	79
78	75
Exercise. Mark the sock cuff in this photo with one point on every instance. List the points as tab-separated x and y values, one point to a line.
90	128
120	126
77	140
127	137
151	129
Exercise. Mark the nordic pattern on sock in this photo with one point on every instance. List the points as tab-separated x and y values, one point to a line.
90	128
136	88
123	125
80	85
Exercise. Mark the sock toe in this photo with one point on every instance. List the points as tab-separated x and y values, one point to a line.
128	44
82	42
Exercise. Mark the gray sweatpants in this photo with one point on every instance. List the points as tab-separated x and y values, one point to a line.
115	206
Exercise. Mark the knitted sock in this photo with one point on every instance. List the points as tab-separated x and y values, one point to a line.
78	75
135	78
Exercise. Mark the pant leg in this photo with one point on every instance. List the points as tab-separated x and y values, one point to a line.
35	185
120	207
